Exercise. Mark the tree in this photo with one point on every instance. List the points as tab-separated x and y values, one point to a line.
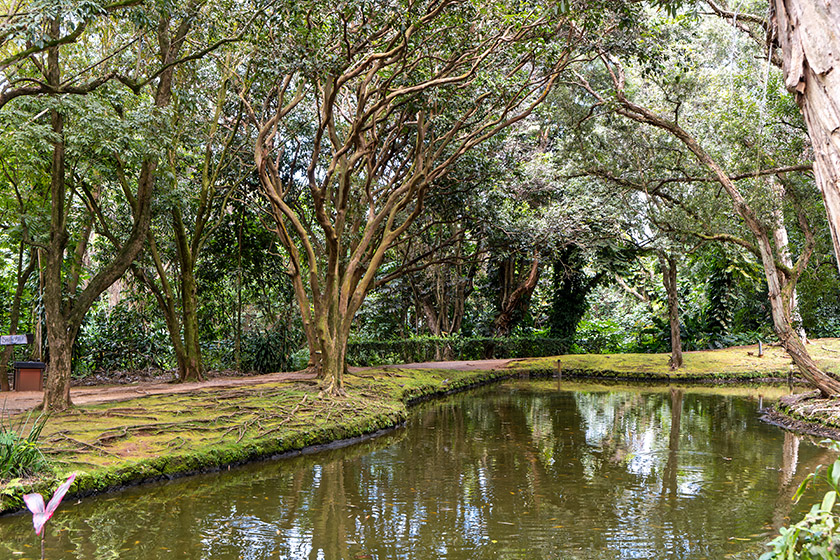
781	280
387	104
806	33
669	279
67	295
199	193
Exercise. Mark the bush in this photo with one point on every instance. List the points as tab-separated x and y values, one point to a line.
218	354
430	348
19	453
299	359
266	352
123	338
817	537
600	336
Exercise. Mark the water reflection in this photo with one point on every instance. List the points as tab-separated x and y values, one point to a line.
515	471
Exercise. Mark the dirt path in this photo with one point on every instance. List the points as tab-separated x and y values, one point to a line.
21	401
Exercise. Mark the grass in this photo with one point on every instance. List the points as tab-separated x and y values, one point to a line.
151	437
148	438
738	363
20	455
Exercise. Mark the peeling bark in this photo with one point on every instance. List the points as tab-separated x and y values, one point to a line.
809	34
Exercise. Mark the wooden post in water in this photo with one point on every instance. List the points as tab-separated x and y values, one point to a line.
559	374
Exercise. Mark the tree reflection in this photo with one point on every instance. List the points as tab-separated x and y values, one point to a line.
519	471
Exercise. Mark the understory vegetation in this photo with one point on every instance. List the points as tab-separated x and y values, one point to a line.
817	536
20	449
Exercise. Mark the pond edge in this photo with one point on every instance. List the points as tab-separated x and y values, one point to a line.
366	426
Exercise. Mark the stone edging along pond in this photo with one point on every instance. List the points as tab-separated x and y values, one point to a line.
156	437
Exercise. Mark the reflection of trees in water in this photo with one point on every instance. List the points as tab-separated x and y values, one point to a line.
534	469
669	474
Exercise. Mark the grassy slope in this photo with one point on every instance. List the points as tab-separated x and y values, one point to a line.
114	444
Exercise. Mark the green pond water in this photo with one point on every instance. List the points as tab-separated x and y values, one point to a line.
518	470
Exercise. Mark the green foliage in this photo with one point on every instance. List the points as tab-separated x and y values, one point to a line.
817	536
601	336
19	452
124	338
266	352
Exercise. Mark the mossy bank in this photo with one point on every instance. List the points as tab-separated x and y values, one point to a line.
164	436
148	438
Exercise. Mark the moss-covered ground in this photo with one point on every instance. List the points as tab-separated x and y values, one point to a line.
737	364
147	438
151	437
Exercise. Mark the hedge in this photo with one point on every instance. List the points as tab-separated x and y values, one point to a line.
428	349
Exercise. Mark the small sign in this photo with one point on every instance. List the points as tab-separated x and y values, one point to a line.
11	339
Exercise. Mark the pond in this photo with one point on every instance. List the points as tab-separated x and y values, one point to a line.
518	470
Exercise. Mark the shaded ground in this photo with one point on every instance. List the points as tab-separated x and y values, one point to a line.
131	434
21	401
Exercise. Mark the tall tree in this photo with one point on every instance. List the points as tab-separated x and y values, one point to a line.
67	298
806	33
781	280
395	96
201	184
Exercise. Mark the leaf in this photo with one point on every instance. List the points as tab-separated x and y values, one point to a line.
834	474
828	501
804	485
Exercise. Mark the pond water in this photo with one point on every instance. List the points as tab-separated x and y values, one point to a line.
518	470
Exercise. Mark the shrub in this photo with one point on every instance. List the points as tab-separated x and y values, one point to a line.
299	359
123	338
266	352
817	537
429	348
19	452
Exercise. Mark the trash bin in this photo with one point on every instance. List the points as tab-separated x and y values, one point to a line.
29	376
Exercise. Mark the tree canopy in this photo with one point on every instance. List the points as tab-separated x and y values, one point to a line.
266	184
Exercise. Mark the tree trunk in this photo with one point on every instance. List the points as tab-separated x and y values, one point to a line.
779	295
60	334
194	366
333	333
669	280
780	237
64	317
4	366
514	301
807	31
60	339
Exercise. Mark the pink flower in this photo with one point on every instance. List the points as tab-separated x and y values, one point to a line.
41	514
